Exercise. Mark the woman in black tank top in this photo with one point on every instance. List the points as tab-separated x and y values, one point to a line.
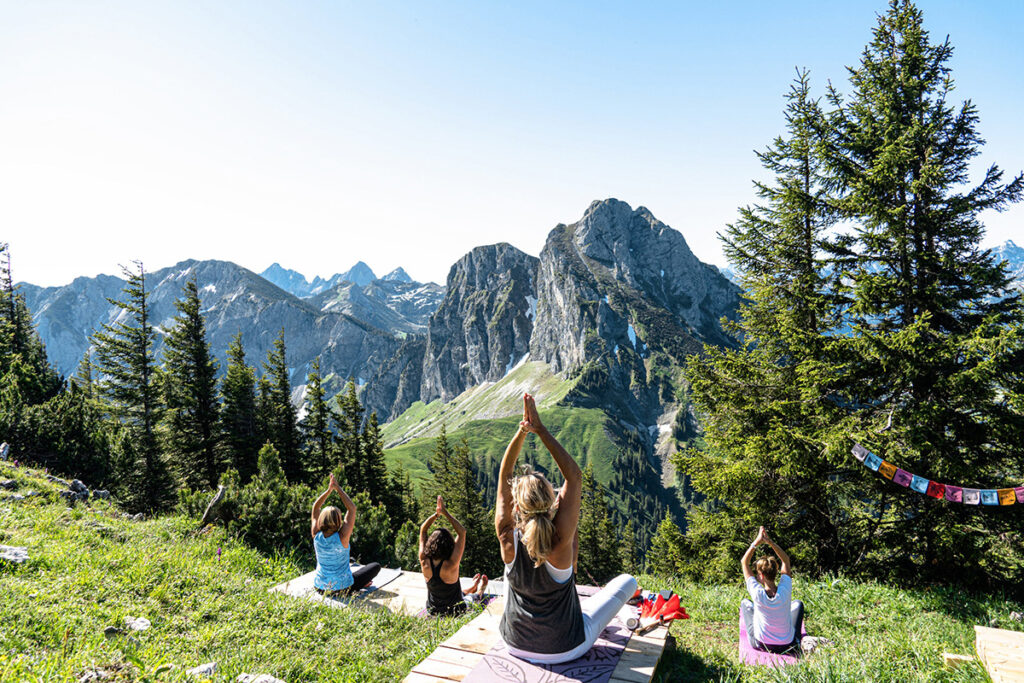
544	620
440	557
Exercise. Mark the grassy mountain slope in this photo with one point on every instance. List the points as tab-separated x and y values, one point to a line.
484	401
90	567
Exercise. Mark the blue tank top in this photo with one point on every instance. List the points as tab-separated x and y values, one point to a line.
333	572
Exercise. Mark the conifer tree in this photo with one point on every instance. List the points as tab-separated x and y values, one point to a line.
241	436
457	484
349	422
124	357
373	469
779	373
278	411
318	442
190	394
20	346
599	557
935	324
666	556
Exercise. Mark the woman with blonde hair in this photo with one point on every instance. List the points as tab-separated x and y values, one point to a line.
331	539
543	621
774	621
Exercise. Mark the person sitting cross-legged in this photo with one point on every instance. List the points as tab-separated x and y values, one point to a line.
331	536
440	557
773	620
543	621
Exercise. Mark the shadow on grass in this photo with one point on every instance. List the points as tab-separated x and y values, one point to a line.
685	666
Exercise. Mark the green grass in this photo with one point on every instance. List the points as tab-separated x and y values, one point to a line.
881	633
91	567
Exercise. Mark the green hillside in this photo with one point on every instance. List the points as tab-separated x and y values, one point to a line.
485	401
91	566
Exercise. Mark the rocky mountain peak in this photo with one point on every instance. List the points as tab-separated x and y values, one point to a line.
397	275
483	325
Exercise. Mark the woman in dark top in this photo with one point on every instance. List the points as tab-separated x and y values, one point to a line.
544	621
440	557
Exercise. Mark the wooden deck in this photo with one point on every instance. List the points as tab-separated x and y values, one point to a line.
1002	653
455	658
406	594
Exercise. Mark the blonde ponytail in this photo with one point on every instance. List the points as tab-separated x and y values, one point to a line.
535	499
538	535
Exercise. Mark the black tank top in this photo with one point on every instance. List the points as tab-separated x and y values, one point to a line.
443	598
541	615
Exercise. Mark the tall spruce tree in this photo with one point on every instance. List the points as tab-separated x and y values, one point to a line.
318	441
456	482
241	436
599	556
190	394
935	326
373	468
125	360
278	411
763	402
348	425
22	352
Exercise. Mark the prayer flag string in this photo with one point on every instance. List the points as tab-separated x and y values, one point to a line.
953	494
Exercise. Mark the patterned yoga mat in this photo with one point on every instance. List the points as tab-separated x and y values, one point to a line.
594	667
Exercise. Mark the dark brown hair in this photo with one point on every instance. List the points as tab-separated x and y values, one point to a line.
440	545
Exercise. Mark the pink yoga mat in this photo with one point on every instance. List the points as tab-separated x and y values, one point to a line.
594	667
749	655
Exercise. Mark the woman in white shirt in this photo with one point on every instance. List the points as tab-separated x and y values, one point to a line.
772	618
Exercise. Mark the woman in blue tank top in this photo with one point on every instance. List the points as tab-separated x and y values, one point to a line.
331	537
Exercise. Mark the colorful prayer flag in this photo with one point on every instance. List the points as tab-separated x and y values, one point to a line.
955	494
1020	494
1006	497
936	490
919	484
972	496
989	497
902	477
860	452
887	469
872	462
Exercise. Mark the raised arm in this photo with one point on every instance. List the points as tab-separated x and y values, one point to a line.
761	537
504	523
314	524
568	516
460	532
783	556
345	533
424	529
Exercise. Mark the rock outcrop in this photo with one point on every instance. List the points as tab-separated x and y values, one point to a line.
483	325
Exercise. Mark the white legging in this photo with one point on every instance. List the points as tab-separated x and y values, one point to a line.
598	610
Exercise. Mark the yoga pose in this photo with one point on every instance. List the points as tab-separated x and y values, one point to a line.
773	620
440	556
331	536
543	620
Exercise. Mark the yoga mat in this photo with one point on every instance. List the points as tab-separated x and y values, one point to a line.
594	667
383	578
749	655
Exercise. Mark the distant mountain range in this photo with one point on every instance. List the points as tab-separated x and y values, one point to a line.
296	283
353	327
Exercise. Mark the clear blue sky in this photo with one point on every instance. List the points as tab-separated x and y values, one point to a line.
320	133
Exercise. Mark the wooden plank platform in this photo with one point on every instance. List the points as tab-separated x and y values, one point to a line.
1002	653
455	657
407	594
